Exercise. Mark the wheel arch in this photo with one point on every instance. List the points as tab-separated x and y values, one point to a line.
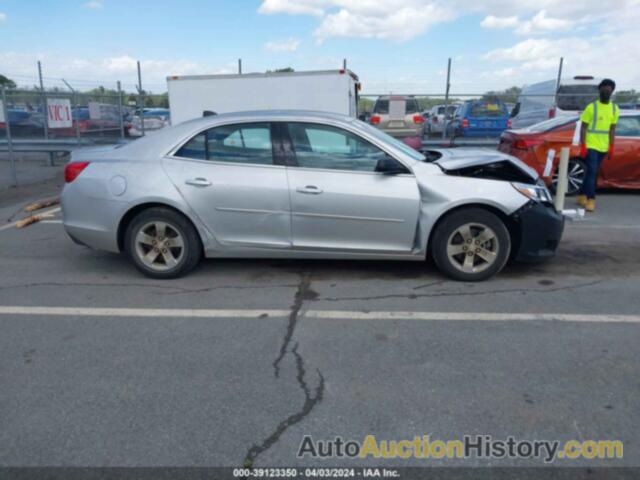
136	209
509	222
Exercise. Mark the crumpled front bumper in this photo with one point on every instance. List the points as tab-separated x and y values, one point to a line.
540	228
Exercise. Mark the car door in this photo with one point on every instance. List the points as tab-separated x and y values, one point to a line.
338	200
624	168
228	177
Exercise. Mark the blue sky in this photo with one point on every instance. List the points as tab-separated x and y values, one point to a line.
393	45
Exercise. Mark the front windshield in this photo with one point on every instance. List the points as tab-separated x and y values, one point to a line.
414	154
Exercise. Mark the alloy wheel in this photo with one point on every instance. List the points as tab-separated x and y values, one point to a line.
575	177
159	246
473	247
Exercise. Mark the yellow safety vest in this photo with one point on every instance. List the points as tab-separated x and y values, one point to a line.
599	117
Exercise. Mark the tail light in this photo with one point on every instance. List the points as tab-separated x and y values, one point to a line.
509	123
3	125
552	112
418	119
465	123
435	119
526	143
73	169
83	124
375	119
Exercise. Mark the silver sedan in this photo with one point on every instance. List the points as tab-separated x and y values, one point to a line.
292	184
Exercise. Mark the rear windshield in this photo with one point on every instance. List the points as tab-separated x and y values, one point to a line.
576	97
382	106
488	109
412	106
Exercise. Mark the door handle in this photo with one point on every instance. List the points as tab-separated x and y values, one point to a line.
310	189
198	182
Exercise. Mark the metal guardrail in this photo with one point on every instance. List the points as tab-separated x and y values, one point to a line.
50	145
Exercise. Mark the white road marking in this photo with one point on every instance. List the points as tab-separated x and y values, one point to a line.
316	314
46	213
608	227
139	312
473	316
50	221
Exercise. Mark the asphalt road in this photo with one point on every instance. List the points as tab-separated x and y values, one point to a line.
276	350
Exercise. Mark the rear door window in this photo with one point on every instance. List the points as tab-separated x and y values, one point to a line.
242	143
488	109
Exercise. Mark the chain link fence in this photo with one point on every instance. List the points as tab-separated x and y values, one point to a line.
46	120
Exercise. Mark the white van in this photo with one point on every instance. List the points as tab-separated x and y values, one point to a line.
537	102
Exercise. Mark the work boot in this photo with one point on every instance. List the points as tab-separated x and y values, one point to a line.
582	200
591	205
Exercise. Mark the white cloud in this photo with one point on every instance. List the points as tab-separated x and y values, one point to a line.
3	17
295	7
405	19
539	57
541	23
491	21
95	4
399	24
288	45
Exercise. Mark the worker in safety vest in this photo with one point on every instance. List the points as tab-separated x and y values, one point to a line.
597	133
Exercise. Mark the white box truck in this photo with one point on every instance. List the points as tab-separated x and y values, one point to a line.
190	96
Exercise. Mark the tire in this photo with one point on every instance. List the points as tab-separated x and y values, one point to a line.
145	245
455	238
575	176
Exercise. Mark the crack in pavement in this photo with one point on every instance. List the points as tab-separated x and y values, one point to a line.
413	296
304	292
309	403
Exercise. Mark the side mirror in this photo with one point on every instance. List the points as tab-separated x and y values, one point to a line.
390	166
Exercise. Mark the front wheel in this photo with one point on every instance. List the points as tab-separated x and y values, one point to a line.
471	245
162	243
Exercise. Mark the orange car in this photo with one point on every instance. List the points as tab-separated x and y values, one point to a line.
532	144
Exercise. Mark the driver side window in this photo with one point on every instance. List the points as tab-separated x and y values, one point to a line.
326	147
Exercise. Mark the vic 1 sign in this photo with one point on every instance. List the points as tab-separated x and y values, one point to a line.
59	113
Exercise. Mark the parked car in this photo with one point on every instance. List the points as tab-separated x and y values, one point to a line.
479	118
295	184
532	144
398	116
439	116
537	102
83	124
153	118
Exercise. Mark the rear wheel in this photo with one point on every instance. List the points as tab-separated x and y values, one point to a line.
575	176
471	245
162	243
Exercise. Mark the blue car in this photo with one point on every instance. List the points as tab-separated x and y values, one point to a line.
480	118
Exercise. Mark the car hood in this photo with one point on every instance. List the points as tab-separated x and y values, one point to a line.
457	159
